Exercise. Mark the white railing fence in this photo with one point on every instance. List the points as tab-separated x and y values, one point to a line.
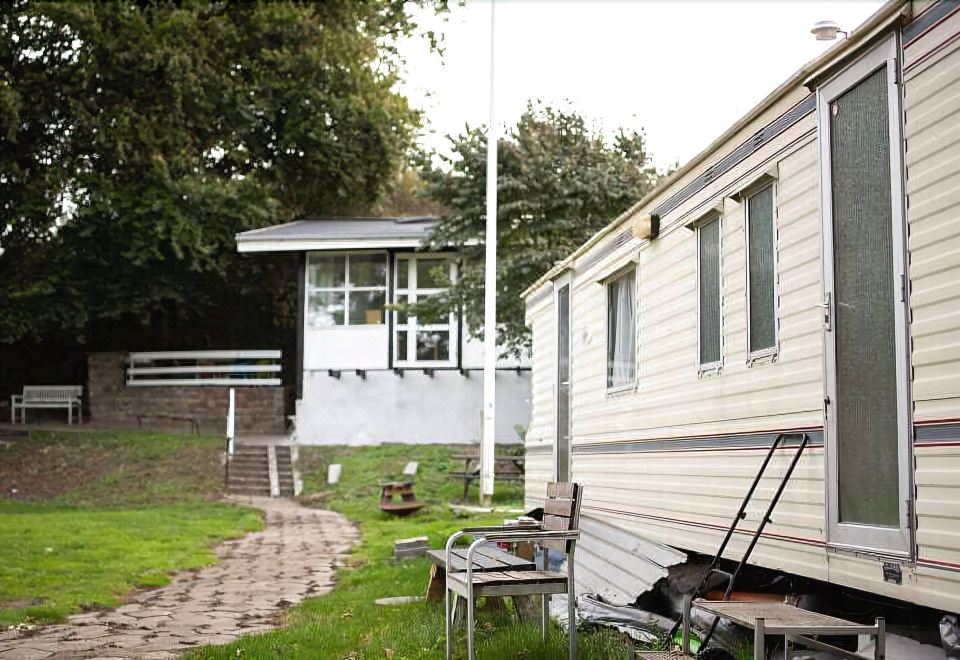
204	368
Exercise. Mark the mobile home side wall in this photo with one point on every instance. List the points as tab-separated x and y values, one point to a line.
669	461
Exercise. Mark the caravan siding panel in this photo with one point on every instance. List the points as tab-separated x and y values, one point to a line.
932	156
541	431
932	132
704	498
758	397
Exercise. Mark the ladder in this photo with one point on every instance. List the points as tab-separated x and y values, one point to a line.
713	568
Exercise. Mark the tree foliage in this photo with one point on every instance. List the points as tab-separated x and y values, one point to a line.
137	138
559	181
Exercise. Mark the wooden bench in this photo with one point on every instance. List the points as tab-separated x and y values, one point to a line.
471	473
408	502
47	396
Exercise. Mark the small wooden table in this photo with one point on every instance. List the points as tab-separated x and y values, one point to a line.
472	472
795	624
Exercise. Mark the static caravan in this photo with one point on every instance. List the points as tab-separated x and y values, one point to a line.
368	374
800	274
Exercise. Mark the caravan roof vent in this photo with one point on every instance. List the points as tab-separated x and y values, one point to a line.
826	30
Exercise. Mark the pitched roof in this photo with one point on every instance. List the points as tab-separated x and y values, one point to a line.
337	233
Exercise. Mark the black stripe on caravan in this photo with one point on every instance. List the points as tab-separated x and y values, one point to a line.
928	19
617	241
925	434
707	442
943	432
738	155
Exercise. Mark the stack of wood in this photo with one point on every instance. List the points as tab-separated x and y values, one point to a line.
413	547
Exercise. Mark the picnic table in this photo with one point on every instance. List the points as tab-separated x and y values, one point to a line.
471	469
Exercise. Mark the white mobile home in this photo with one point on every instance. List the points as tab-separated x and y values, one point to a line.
800	274
367	374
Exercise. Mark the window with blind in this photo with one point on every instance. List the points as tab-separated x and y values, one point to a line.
761	273
708	289
622	331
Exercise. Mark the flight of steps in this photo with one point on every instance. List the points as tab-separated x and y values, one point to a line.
250	467
249	471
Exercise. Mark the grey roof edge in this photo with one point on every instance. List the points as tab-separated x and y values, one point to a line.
275	233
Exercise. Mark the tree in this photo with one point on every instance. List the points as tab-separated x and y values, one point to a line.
559	181
137	138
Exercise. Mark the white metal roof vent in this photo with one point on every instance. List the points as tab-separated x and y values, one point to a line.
826	30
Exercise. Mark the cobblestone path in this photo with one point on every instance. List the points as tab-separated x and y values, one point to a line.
258	575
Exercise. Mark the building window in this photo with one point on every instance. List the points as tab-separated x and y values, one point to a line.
622	331
346	289
424	339
708	286
761	274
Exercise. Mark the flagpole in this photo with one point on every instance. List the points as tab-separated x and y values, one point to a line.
490	299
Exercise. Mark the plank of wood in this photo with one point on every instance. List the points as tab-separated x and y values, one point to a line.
484	559
560	489
558	506
435	586
556	523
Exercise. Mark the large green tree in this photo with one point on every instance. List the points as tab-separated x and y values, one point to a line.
559	180
137	138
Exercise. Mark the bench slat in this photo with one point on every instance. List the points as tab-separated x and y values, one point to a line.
558	507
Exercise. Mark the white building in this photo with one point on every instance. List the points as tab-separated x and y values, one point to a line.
367	374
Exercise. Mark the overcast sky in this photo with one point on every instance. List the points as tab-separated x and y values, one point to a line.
682	70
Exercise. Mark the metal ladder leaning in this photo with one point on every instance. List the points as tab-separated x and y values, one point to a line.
741	515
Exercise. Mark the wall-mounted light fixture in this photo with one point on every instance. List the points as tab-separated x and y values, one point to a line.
646	227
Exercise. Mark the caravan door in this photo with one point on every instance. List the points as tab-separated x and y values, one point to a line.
561	449
867	400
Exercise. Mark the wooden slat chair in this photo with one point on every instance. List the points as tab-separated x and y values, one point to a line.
559	531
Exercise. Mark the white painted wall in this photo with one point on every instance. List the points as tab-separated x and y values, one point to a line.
414	408
346	347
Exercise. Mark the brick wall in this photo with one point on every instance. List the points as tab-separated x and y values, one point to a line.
260	410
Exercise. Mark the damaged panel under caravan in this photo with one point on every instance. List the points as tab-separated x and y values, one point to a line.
665	462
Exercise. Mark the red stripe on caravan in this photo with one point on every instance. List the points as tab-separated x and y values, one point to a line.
703	525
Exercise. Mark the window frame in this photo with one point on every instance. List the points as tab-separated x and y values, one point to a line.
411	327
345	289
710	368
770	353
632	270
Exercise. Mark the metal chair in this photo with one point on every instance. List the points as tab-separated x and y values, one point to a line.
559	531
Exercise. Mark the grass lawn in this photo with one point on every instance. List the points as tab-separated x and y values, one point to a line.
346	623
88	517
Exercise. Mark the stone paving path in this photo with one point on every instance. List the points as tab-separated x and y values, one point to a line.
258	575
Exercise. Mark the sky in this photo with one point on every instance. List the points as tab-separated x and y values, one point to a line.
683	71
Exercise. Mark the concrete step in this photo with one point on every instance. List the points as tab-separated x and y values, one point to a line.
264	492
243	468
258	464
251	479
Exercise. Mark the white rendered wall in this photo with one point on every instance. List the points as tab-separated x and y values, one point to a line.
414	408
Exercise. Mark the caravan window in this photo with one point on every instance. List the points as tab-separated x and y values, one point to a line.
423	340
621	331
346	289
708	288
761	274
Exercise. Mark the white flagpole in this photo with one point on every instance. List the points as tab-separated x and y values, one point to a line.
490	299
